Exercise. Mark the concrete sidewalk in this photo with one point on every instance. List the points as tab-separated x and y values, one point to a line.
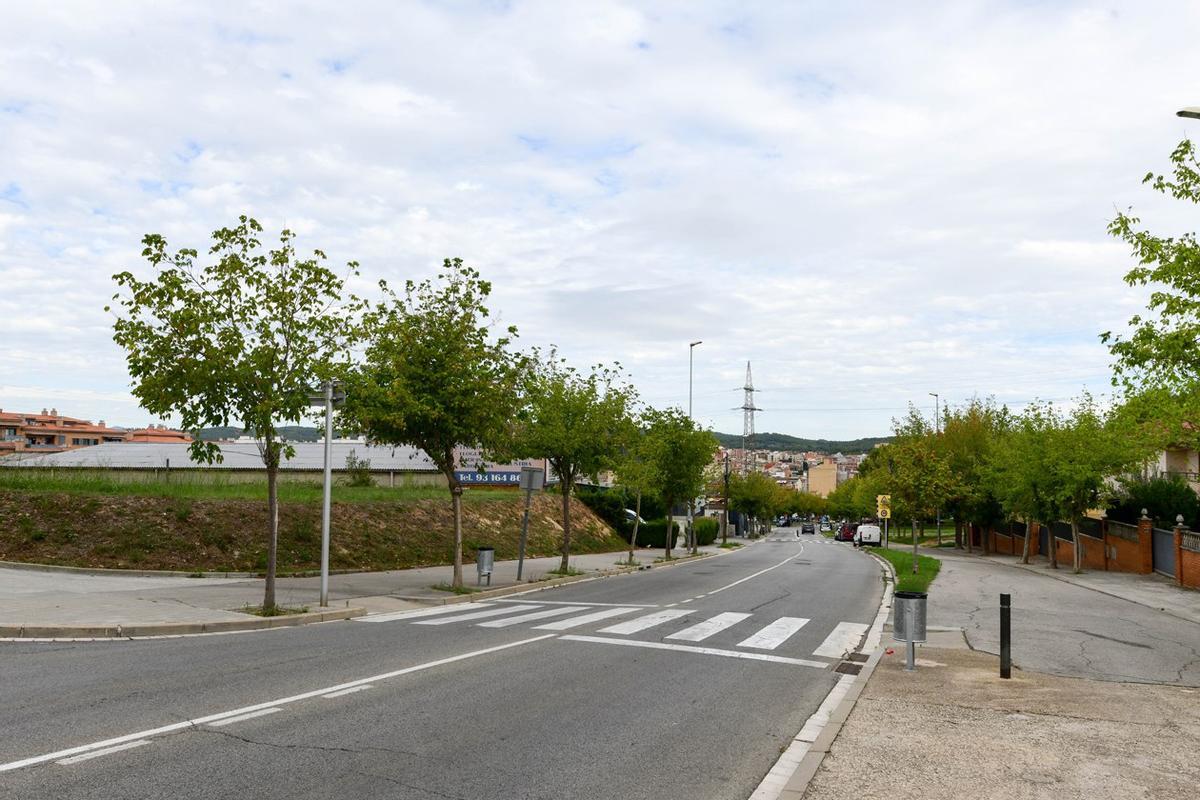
954	729
48	599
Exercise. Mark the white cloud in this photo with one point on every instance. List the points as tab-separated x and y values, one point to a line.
868	201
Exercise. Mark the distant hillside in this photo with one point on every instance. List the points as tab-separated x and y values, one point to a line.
781	441
292	433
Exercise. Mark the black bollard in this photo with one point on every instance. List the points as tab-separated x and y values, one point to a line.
1005	636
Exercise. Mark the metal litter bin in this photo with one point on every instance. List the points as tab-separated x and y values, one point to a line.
908	623
485	557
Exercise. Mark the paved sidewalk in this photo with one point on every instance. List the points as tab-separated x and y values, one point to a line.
44	599
1065	627
953	729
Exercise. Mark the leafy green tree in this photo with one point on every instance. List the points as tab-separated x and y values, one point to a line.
678	451
576	421
969	436
435	375
754	495
917	473
635	472
242	338
1022	468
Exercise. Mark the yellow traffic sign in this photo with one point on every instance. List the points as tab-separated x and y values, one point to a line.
885	513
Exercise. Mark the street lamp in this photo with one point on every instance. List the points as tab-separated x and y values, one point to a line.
691	500
1192	112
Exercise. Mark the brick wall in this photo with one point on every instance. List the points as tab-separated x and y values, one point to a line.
1187	558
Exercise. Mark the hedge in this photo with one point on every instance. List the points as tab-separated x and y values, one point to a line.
652	533
706	529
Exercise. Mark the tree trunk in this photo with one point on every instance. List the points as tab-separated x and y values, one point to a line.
1078	554
565	486
637	518
915	537
670	537
273	536
456	502
1053	547
958	538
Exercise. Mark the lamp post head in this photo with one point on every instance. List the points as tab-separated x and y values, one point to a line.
693	344
1192	112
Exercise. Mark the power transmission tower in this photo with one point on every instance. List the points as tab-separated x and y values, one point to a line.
748	409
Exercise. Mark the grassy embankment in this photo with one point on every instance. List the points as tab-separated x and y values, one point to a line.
95	521
901	560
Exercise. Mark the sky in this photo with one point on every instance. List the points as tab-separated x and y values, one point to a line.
869	202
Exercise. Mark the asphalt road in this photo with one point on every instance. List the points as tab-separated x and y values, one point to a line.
444	706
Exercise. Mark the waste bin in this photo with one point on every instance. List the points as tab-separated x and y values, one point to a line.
908	622
485	557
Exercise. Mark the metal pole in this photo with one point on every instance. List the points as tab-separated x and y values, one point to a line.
910	660
691	536
937	427
327	493
1005	636
524	534
886	520
725	512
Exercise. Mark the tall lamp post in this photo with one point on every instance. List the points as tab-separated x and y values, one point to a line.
691	537
330	396
937	426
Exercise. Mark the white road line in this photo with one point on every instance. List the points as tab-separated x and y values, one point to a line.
843	639
192	723
595	616
392	616
344	692
577	603
491	612
774	634
710	626
755	575
262	712
708	651
558	611
648	621
97	753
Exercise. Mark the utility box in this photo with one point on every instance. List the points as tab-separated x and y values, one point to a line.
908	621
485	558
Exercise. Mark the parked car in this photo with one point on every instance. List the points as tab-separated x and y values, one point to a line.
868	535
631	515
825	527
846	532
808	527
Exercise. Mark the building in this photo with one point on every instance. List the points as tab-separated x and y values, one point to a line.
823	477
50	432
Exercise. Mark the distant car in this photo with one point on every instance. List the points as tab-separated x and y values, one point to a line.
808	528
631	515
868	535
846	532
825	527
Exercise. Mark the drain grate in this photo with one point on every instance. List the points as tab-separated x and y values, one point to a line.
848	668
860	658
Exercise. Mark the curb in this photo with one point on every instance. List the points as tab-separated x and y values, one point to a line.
808	748
128	573
1065	579
174	628
538	586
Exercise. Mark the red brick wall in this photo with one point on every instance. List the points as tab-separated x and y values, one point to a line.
1066	553
1125	556
1188	567
1001	543
1093	552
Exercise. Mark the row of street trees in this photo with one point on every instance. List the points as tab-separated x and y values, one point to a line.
245	336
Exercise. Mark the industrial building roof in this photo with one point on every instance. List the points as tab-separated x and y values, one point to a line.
237	455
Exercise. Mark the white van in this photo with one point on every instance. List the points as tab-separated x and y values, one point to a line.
868	534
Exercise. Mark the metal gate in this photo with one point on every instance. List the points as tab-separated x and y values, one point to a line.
1163	551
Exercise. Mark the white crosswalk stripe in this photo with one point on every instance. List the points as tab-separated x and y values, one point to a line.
490	612
713	625
843	638
648	621
774	634
586	619
557	611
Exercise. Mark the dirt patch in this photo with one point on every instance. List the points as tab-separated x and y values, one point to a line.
215	535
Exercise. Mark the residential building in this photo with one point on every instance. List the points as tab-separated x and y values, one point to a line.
51	432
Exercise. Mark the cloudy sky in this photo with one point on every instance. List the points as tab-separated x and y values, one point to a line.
868	201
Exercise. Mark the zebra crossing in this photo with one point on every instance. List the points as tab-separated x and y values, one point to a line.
754	634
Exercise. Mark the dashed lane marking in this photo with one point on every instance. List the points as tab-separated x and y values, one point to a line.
262	712
106	751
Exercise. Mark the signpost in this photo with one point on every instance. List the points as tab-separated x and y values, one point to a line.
883	508
328	398
531	480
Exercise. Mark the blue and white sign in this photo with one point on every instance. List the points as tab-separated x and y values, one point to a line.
470	477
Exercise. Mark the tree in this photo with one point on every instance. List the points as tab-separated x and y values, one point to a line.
969	437
1021	469
435	376
635	473
243	339
575	421
754	495
917	473
679	451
